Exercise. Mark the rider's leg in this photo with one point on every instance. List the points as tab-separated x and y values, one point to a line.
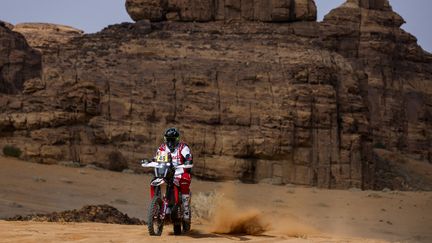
185	181
176	194
152	191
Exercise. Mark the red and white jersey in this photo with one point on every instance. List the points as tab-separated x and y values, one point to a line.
179	154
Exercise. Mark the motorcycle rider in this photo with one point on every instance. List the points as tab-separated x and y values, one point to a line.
180	154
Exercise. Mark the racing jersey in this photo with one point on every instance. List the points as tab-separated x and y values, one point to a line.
179	154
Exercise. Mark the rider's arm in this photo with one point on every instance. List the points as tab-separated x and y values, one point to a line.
187	155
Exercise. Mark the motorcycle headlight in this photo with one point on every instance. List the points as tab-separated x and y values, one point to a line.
160	172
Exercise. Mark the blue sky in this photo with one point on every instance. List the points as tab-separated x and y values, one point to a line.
93	15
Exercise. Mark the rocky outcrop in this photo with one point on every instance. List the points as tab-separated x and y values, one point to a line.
372	4
397	82
6	24
228	10
399	171
300	102
91	213
18	62
47	37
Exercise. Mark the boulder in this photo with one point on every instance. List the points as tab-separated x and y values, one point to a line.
210	10
153	10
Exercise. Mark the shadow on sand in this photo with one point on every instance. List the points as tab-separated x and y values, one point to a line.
197	234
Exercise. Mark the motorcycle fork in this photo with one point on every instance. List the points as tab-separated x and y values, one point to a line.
163	212
172	195
167	199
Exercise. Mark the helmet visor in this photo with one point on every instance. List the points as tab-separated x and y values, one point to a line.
171	142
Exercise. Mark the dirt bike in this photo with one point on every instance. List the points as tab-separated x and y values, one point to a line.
165	206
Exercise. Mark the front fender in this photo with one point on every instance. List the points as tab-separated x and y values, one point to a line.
157	182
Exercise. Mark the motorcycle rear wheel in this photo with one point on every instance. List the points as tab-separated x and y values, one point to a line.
176	220
154	221
177	228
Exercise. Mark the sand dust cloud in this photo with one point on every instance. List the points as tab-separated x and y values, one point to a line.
224	215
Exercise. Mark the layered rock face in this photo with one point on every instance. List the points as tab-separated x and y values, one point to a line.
301	102
18	62
249	108
210	10
372	4
398	74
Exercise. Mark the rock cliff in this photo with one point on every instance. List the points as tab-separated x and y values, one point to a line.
397	81
18	61
299	102
227	10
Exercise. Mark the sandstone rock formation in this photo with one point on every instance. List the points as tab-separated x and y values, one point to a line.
6	24
397	81
210	10
48	37
301	102
372	4
18	62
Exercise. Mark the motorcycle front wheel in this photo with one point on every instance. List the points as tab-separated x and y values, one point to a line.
155	222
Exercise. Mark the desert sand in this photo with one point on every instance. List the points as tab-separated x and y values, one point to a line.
285	213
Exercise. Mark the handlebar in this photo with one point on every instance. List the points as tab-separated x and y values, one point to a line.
161	165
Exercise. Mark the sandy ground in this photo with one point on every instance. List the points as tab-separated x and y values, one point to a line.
289	213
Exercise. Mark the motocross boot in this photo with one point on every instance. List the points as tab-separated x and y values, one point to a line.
186	206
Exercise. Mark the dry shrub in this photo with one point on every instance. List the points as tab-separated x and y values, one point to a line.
203	204
12	151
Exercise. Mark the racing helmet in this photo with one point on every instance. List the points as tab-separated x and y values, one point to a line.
172	138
